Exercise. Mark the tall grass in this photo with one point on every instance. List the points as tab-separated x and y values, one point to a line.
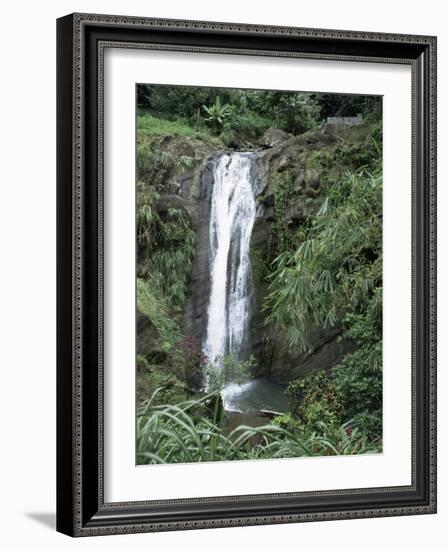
150	125
154	305
194	431
336	265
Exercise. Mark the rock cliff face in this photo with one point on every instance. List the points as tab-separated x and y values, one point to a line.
308	160
195	314
184	189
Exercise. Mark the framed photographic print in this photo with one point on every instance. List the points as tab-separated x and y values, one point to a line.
246	274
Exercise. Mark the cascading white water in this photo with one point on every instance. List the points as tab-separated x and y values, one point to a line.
232	216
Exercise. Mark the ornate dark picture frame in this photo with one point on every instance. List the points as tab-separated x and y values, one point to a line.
81	39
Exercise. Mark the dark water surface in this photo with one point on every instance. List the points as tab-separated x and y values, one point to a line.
255	395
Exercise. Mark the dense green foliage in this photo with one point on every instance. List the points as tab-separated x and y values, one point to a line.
159	382
322	267
166	241
187	110
337	264
349	105
282	234
193	431
169	242
334	279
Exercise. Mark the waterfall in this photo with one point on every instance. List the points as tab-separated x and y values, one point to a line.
232	216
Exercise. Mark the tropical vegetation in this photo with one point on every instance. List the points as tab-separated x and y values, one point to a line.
323	271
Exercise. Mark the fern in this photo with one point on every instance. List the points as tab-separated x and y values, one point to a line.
185	163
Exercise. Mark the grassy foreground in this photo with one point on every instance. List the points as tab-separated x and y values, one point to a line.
194	431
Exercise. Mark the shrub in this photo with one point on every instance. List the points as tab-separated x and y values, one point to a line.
159	381
184	433
315	400
248	125
337	268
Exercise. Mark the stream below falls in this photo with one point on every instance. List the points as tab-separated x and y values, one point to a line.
255	395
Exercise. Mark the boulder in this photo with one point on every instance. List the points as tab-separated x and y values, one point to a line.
283	364
274	137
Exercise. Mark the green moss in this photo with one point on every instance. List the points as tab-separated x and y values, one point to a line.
259	265
282	234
